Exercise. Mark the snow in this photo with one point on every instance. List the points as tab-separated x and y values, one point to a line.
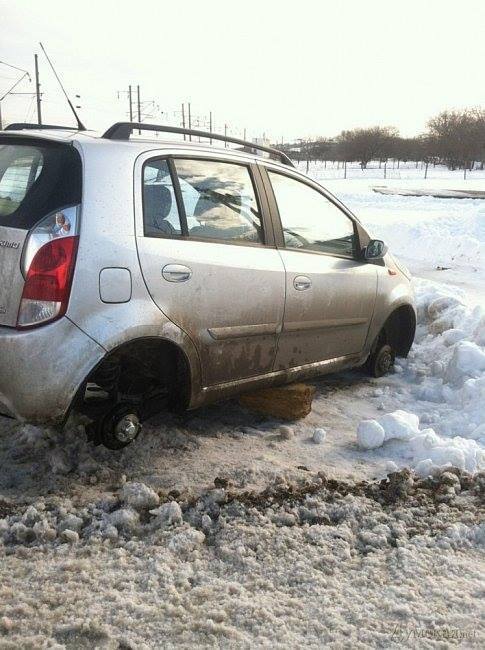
330	563
139	496
125	520
319	436
370	434
399	425
442	384
224	528
424	450
168	514
186	541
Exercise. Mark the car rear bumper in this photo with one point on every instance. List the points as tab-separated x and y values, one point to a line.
41	370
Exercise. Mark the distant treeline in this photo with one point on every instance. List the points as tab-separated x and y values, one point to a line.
453	138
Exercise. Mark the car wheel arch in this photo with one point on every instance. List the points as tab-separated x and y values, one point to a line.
161	354
399	329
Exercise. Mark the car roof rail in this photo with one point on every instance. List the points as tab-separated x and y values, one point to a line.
22	126
123	130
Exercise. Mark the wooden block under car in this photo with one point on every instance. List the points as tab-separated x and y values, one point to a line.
290	402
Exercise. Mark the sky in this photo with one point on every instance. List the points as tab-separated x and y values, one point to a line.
284	69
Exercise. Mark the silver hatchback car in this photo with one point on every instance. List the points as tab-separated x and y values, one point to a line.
146	273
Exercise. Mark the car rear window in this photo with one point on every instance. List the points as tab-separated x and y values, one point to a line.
36	178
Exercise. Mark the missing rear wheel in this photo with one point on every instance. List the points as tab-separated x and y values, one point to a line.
118	427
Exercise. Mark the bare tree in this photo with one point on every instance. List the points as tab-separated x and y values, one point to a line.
364	145
459	137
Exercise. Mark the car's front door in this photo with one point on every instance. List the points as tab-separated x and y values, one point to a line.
209	262
330	292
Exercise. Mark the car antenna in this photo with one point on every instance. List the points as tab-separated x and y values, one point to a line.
80	125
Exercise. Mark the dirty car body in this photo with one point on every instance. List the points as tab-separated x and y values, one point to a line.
158	273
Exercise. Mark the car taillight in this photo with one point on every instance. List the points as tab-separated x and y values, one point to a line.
48	282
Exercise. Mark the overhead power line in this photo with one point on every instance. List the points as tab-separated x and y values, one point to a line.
25	74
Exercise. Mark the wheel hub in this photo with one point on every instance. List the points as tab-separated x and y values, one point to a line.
127	428
385	361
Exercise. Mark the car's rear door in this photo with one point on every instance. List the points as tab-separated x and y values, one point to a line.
207	254
330	291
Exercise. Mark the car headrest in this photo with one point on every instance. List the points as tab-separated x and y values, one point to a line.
158	202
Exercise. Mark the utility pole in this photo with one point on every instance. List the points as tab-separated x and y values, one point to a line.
183	118
129	94
190	122
139	106
210	124
143	109
225	135
37	89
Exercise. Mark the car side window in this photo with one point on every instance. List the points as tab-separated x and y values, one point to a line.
219	200
309	220
160	214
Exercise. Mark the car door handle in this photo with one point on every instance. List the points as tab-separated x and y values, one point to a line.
176	273
301	283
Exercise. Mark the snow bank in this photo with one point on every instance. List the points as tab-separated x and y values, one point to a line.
424	231
448	359
441	384
424	450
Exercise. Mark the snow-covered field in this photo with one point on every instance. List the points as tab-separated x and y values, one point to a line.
218	529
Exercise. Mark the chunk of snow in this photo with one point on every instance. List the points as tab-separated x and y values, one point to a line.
400	425
125	519
4	527
21	532
478	433
206	521
319	436
31	516
71	522
69	536
139	496
370	434
425	468
424	450
168	514
468	360
59	461
452	336
110	532
44	532
186	541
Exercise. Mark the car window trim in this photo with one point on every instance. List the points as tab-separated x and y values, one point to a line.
276	218
258	189
184	228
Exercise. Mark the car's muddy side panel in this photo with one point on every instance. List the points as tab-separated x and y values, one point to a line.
107	242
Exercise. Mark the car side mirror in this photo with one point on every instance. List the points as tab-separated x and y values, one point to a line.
375	250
